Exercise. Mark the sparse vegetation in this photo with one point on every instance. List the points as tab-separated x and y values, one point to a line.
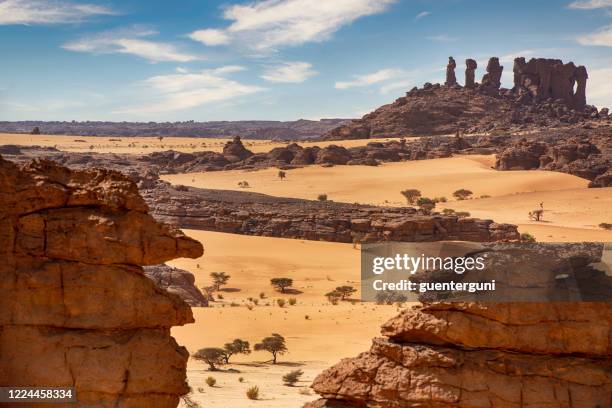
281	284
426	204
322	197
448	211
280	302
292	301
243	184
333	297
389	297
345	291
462	214
605	225
292	377
262	295
219	278
281	174
252	393
213	356
462	194
274	344
240	379
411	195
211	381
526	237
238	346
440	199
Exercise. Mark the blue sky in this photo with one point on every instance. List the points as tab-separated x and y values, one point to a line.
273	59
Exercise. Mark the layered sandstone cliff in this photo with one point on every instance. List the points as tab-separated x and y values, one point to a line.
496	355
76	309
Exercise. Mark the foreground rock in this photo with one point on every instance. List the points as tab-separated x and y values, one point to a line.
177	281
468	355
76	309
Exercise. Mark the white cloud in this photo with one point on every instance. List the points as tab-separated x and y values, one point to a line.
188	90
210	36
590	4
290	72
130	42
47	12
421	15
442	38
603	37
268	24
599	87
370	79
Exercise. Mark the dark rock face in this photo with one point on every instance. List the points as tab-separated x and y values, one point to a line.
178	282
470	73
544	79
75	307
476	354
258	214
451	79
235	151
543	97
492	79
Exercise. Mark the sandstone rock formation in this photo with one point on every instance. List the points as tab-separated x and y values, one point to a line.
258	214
468	355
235	151
76	309
470	73
543	79
543	97
451	79
492	79
177	281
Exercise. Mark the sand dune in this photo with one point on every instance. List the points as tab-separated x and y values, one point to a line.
142	145
572	211
328	334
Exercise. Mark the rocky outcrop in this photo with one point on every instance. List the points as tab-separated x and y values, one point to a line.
470	73
492	79
76	309
258	214
235	151
576	155
468	354
542	97
451	79
177	281
541	79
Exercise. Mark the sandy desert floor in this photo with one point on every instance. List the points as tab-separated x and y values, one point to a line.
572	211
318	334
142	145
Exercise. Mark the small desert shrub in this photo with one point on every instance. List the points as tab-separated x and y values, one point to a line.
243	184
440	199
389	297
448	211
281	174
462	194
605	225
426	204
219	296
240	379
526	237
485	196
411	195
292	377
307	317
280	302
333	297
462	214
255	301
262	295
234	304
210	381
322	197
304	391
292	301
180	187
253	393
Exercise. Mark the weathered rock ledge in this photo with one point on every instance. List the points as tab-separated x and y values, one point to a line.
481	354
258	214
76	309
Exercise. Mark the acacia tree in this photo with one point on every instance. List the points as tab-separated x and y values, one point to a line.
237	346
426	204
213	356
281	283
462	194
345	291
219	278
411	195
274	344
